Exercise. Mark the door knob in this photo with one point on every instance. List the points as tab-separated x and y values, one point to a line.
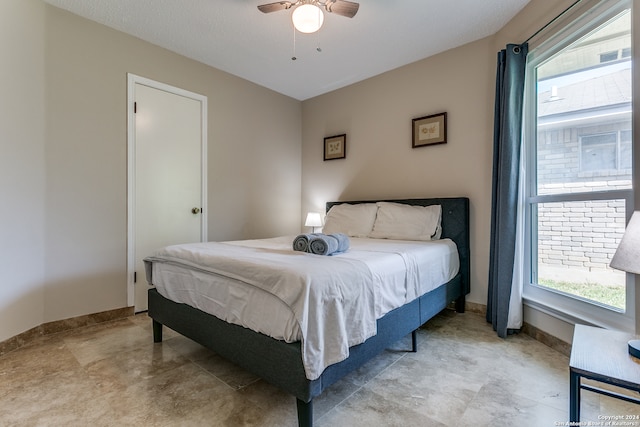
195	211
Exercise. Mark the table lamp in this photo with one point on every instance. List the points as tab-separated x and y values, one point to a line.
627	258
313	220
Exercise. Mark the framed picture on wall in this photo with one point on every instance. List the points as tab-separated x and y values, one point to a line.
335	147
430	130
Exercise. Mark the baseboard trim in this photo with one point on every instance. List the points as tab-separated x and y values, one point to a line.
57	326
547	339
535	333
474	307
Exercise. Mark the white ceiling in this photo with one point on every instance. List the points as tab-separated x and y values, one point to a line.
234	36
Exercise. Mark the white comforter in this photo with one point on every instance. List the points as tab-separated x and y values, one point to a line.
335	300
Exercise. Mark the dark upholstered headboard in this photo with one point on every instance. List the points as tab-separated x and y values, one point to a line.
455	226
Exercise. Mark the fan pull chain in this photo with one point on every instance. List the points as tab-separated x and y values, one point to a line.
318	49
293	58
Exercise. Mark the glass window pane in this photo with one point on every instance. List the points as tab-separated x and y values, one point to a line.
609	56
578	163
599	152
582	107
576	241
625	149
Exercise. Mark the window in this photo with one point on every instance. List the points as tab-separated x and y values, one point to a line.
598	152
578	163
609	56
606	152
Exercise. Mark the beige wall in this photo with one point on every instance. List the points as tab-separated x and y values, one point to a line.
376	116
380	163
66	181
63	162
253	157
22	160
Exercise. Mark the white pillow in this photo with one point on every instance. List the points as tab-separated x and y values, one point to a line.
352	220
406	222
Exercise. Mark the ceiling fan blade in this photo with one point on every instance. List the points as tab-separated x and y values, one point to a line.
343	8
274	7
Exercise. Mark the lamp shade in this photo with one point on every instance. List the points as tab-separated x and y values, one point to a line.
627	256
313	220
307	18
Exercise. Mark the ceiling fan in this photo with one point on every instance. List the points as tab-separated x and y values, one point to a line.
307	15
339	7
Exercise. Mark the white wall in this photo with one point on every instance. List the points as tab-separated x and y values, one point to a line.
22	171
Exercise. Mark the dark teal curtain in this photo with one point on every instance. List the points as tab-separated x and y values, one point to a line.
506	162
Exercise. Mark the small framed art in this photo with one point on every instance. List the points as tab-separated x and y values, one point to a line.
430	130
335	147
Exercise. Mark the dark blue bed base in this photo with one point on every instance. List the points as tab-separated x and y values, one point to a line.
280	363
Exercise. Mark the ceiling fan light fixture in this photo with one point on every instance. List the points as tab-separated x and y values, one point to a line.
307	18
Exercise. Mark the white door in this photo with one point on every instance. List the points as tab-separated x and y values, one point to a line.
168	176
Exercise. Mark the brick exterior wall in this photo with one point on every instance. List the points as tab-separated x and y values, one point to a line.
577	236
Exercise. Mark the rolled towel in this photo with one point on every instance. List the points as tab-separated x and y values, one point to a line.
301	242
323	244
343	241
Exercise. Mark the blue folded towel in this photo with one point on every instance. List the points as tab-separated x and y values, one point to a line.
323	245
329	244
343	241
301	242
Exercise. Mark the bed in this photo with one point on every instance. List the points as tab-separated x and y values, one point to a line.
284	364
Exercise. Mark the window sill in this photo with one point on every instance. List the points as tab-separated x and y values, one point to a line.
574	311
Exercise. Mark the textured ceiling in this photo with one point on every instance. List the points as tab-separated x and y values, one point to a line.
234	36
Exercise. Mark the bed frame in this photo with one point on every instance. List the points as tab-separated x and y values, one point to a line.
280	363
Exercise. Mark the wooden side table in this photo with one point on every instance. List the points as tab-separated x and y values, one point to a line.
601	355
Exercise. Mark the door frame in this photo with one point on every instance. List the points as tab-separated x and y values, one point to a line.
132	80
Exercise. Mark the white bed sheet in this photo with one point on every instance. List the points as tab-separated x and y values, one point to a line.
394	264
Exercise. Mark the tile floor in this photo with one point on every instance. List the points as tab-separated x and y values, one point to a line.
463	375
